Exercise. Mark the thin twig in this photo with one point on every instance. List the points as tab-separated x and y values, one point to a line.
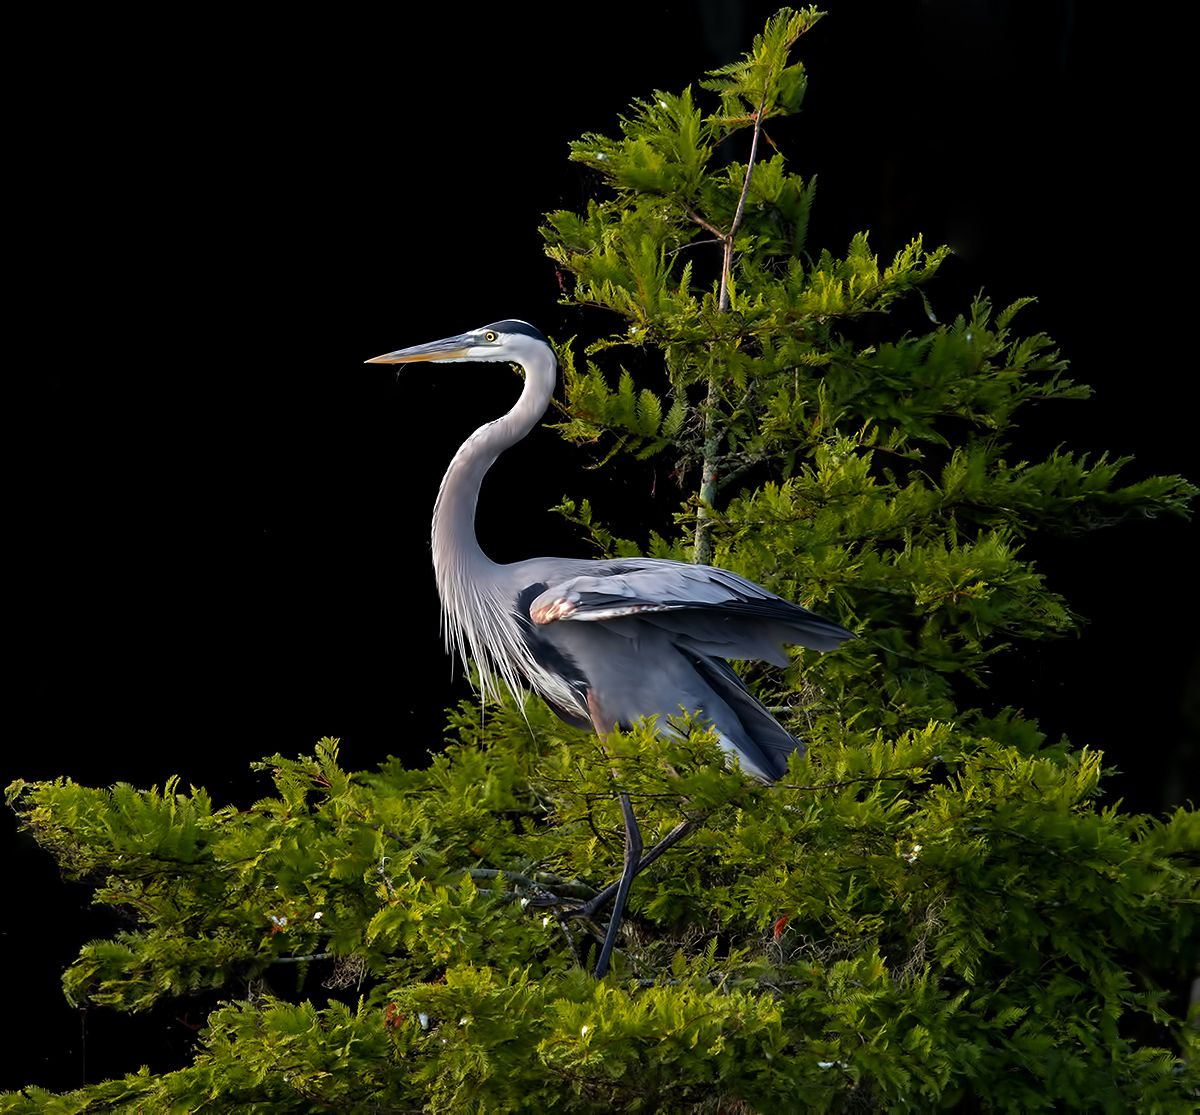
741	205
566	932
572	889
694	244
717	233
886	776
702	546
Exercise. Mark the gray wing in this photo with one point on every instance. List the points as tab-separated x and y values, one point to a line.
705	609
762	739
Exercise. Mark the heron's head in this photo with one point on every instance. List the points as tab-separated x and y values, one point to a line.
510	340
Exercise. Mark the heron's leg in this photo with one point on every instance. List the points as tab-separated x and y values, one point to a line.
599	901
633	855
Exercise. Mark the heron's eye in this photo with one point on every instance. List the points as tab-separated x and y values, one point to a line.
489	336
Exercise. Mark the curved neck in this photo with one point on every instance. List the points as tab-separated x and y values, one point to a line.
455	547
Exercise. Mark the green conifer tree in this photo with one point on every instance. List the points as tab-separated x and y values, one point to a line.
931	910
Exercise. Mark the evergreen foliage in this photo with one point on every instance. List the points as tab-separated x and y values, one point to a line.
904	922
933	909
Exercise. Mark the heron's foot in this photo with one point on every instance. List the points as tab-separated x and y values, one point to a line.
633	858
587	911
598	901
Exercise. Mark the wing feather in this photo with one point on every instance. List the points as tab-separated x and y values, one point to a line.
710	610
764	740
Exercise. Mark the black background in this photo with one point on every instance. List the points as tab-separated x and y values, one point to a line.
219	516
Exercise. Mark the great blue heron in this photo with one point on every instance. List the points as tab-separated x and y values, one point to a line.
602	642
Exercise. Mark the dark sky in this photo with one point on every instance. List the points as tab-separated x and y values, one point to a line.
222	515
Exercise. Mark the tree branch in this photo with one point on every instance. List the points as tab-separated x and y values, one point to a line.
702	546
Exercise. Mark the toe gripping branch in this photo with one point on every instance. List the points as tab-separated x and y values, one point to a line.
635	863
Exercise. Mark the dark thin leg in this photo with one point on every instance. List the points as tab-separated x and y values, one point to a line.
633	855
597	903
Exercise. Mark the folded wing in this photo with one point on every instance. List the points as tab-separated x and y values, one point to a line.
707	610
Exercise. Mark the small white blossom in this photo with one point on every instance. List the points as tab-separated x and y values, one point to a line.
583	1031
423	1018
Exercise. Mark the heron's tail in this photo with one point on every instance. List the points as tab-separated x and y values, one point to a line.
763	741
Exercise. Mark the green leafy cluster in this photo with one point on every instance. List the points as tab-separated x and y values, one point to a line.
925	919
839	459
932	909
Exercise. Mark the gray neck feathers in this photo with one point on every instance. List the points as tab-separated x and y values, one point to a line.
476	606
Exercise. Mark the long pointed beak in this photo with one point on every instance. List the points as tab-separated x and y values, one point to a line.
449	348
